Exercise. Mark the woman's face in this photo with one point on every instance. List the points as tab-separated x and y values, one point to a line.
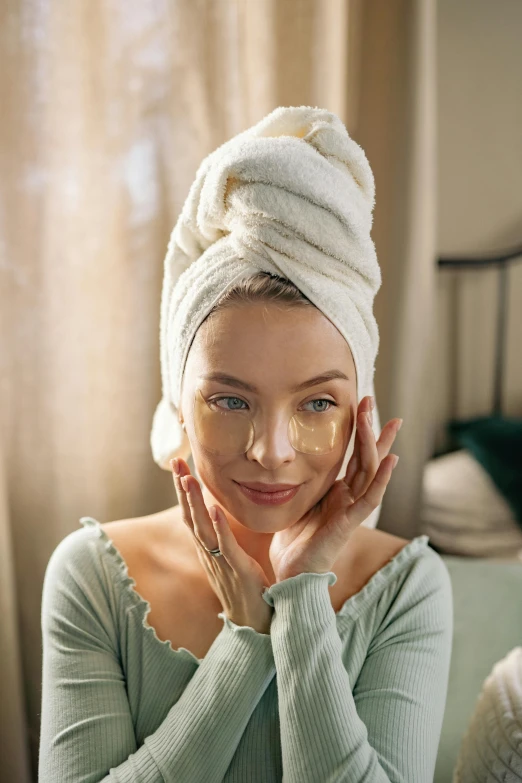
271	349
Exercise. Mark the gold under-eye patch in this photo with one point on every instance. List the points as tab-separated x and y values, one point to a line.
228	432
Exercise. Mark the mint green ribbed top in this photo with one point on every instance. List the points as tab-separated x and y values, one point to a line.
356	696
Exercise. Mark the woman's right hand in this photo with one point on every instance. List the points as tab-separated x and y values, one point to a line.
236	578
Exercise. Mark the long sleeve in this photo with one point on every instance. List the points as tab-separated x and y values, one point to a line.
388	729
87	732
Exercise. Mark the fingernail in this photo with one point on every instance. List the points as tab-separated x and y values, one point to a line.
396	461
183	482
372	402
369	417
400	425
175	466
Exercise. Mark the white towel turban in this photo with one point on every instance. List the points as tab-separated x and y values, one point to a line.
293	195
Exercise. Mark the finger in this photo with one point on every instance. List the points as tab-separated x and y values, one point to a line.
384	444
203	528
355	460
353	465
387	437
182	495
226	540
188	486
369	458
363	506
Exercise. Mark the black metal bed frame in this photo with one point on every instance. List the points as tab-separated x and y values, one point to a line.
500	260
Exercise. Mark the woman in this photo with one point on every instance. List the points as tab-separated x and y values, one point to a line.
281	638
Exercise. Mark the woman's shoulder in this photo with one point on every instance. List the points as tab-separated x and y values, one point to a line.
400	575
82	585
385	548
152	543
76	552
419	589
90	559
157	527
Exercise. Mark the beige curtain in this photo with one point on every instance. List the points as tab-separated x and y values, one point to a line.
397	126
107	110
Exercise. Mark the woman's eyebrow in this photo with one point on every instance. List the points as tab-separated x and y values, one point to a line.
230	380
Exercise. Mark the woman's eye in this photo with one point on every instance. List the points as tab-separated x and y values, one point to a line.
322	410
236	400
227	408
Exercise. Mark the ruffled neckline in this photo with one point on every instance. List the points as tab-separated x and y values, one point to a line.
129	588
352	606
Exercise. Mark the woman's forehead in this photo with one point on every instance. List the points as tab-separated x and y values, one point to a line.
288	362
272	355
282	371
257	332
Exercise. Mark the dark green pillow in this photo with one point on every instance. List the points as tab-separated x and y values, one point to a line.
495	442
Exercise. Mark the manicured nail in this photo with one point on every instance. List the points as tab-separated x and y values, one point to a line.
400	425
395	464
183	482
372	402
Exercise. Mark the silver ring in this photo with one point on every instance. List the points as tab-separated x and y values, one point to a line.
214	552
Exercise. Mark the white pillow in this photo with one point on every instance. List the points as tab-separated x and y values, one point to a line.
491	749
463	512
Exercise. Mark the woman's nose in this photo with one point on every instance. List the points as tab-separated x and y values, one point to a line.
271	445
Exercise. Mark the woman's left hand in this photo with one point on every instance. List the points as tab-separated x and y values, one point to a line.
313	543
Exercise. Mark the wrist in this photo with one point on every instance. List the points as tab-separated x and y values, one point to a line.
263	622
260	622
289	574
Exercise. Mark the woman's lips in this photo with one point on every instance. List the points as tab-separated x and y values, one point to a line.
268	498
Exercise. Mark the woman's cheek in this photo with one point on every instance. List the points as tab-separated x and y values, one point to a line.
212	474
